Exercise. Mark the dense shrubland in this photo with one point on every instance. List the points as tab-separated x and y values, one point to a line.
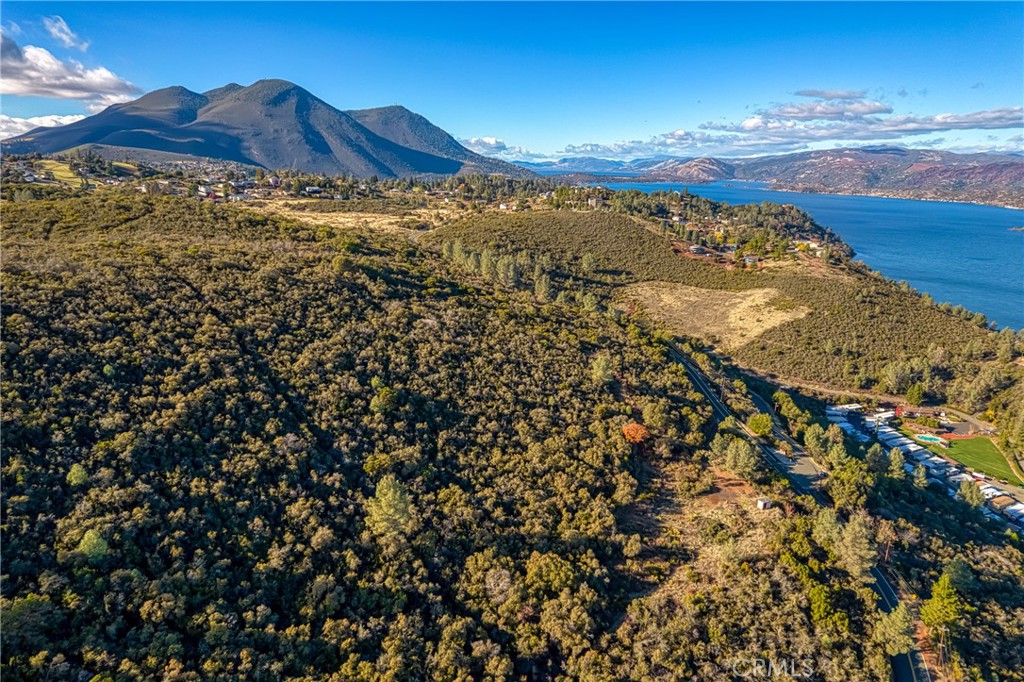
867	332
244	447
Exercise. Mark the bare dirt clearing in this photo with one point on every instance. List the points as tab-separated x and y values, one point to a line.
732	317
388	224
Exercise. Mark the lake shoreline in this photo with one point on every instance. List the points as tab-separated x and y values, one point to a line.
957	252
599	179
886	194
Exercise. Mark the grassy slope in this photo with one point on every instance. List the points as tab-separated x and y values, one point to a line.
61	171
982	455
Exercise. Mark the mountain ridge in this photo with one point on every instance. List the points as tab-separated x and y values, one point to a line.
274	124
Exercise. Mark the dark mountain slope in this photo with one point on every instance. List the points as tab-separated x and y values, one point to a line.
159	110
280	125
274	124
407	128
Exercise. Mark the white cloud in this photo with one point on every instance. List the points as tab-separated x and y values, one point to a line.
485	145
62	33
828	109
684	143
807	127
492	146
871	127
836	117
11	126
832	94
34	71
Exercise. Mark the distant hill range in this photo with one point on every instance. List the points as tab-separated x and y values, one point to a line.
273	124
888	170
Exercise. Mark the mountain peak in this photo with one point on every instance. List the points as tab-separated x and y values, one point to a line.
270	92
222	91
392	109
170	97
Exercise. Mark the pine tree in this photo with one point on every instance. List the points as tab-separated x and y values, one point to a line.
389	513
896	462
920	477
944	608
602	369
741	459
894	631
856	549
825	530
814	440
542	286
970	494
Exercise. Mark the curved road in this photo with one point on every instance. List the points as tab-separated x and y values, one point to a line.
805	476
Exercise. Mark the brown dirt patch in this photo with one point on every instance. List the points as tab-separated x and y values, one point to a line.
727	489
732	317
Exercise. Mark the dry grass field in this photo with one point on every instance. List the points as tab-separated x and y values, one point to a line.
388	224
733	318
400	223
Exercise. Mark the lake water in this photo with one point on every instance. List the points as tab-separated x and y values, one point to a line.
961	253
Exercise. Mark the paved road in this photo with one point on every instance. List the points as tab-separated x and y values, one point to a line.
801	470
805	476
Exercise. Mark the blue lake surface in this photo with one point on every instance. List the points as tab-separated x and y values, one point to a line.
961	253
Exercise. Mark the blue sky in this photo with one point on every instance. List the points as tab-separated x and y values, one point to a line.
542	80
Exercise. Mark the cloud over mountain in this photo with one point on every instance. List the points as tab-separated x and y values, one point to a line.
35	71
777	127
835	116
493	146
11	126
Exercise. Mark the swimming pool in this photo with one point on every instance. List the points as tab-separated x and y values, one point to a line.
928	438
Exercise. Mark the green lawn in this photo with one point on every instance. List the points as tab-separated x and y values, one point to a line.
61	171
978	454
